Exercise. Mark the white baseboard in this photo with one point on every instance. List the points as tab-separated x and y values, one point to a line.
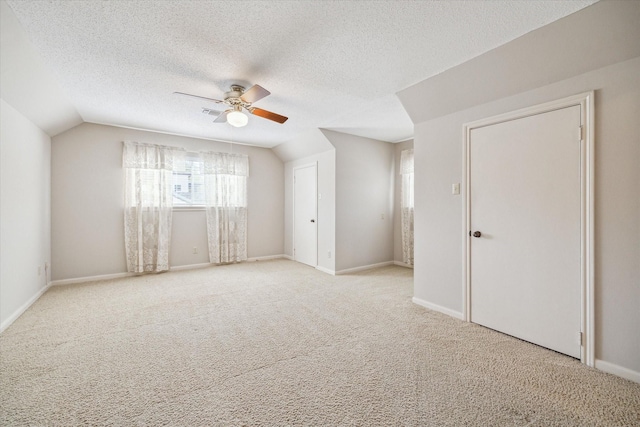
289	257
190	266
402	264
4	325
268	257
173	268
90	279
439	308
617	370
325	270
364	267
208	264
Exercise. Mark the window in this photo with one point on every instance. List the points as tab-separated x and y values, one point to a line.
406	170
407	190
188	182
406	205
228	191
227	186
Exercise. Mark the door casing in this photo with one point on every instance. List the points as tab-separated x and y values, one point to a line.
586	102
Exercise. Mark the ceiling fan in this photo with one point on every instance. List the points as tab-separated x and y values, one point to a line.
239	99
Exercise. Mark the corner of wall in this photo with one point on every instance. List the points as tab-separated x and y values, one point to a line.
25	218
364	202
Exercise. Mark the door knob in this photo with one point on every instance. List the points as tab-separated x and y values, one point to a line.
313	220
477	234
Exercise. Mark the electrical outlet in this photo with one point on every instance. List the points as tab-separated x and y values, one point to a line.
195	250
381	216
329	254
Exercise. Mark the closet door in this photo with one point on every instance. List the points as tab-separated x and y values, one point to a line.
305	232
525	237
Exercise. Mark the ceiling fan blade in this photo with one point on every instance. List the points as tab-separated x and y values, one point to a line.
222	118
268	115
254	93
211	112
217	101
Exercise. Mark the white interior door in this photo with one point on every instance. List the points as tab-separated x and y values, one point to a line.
305	234
525	201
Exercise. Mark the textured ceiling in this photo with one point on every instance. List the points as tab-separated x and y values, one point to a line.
328	64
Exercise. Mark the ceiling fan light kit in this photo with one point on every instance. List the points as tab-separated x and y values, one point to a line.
237	118
239	99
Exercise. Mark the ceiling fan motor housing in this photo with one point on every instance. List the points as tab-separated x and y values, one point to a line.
233	97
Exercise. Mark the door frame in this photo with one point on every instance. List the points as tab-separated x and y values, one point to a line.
586	134
293	205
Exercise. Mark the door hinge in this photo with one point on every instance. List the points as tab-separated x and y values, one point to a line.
580	133
579	338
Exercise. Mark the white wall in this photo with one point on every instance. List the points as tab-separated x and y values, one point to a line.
87	202
25	228
364	194
397	188
326	206
438	158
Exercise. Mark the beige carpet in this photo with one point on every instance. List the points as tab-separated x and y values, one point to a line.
277	343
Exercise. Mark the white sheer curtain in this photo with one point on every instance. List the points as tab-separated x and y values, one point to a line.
406	205
225	186
148	205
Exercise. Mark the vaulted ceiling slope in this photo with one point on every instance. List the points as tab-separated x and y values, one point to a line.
598	36
328	64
